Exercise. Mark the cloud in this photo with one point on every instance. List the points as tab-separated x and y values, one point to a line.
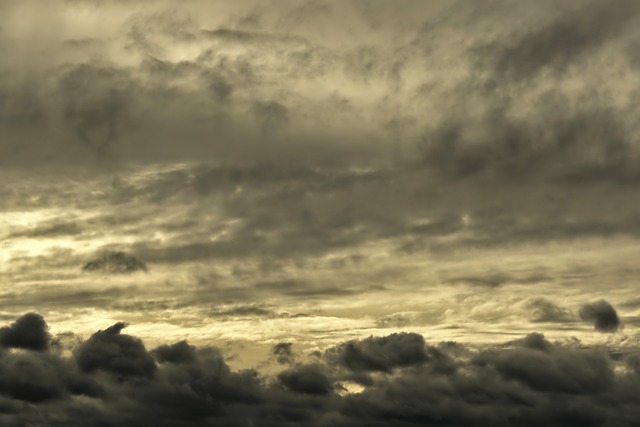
112	352
309	379
98	105
382	353
115	263
547	311
529	381
30	332
603	316
563	41
180	352
283	352
562	139
48	230
30	378
545	368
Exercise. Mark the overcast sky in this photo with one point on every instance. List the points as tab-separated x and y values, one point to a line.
335	212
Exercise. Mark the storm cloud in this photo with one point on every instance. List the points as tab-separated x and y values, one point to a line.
602	314
511	385
30	332
351	213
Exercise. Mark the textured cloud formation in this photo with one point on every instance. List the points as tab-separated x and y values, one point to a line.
115	263
111	351
403	192
519	383
383	354
216	81
30	332
546	311
556	45
603	316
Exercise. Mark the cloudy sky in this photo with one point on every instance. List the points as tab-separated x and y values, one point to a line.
407	212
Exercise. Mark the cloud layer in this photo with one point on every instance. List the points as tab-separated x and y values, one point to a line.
349	213
112	379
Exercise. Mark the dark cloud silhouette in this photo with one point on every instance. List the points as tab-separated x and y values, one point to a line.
424	135
551	369
382	353
115	263
603	316
30	332
113	352
529	381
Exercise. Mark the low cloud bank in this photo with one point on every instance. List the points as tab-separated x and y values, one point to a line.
112	379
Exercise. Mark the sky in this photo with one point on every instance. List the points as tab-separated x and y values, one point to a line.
319	213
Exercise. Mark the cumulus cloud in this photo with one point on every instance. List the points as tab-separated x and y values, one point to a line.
514	384
116	353
30	332
382	353
318	157
602	314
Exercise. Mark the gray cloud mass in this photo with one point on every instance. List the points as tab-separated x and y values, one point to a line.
358	212
511	385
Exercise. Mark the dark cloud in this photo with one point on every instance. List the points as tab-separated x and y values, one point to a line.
30	332
565	40
537	341
529	381
310	379
551	369
382	353
407	148
547	311
30	378
603	316
563	139
180	352
116	353
115	263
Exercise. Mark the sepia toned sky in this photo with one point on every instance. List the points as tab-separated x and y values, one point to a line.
347	207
